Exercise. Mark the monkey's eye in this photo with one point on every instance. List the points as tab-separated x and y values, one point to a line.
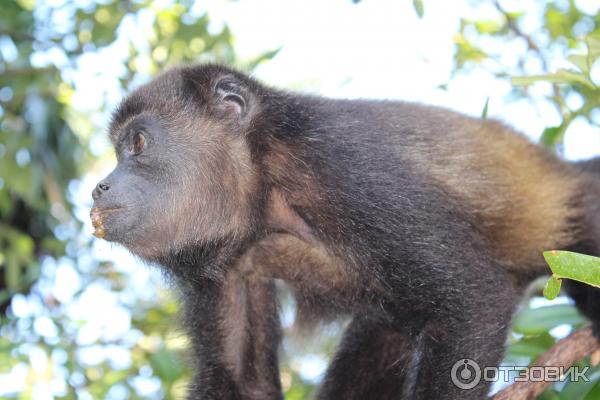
137	144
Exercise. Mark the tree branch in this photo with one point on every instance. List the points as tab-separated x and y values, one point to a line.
564	353
531	45
514	27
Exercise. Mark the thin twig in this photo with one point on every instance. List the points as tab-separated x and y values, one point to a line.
564	353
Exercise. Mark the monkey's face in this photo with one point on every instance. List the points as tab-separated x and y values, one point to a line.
183	177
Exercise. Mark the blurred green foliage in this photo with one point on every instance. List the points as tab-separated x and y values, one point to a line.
563	29
39	155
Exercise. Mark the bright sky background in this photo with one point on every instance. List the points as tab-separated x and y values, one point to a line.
375	49
381	49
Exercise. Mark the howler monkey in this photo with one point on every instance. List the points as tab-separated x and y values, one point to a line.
421	224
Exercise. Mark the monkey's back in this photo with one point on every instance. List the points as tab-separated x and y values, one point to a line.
523	198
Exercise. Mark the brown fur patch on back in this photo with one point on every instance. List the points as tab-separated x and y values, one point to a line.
523	198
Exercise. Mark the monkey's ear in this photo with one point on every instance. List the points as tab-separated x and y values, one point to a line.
232	98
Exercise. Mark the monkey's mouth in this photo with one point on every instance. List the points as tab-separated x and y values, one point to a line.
98	217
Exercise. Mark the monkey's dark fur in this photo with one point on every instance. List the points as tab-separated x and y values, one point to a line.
421	224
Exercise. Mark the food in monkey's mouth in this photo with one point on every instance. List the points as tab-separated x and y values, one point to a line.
97	223
98	217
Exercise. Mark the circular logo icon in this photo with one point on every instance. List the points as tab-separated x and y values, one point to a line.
466	374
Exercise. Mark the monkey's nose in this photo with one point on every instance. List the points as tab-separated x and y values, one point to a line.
99	189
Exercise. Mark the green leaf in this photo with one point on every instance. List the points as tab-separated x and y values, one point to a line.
594	394
526	80
530	347
552	288
579	267
419	8
266	56
593	45
581	61
534	321
166	364
561	76
580	389
488	27
558	22
551	136
549	394
484	113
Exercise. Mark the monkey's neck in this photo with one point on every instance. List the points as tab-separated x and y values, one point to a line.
199	262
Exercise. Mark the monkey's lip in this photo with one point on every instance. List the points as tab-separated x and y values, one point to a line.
97	215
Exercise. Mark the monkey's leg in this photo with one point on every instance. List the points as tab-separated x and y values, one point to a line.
414	359
461	343
235	331
374	361
382	362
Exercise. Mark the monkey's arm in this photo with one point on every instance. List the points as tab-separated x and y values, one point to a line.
235	332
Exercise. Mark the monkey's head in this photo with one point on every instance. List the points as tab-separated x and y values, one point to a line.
185	175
